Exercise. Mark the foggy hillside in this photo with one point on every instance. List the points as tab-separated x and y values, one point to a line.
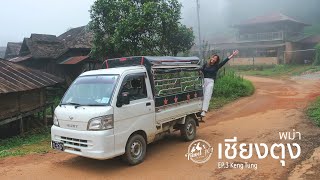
218	15
2	51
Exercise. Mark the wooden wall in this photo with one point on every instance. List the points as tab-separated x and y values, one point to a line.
13	104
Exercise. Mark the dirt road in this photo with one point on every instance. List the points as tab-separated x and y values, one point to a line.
277	106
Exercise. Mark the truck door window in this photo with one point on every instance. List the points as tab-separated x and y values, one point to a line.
135	87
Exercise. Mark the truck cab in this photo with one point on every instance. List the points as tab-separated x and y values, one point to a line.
111	112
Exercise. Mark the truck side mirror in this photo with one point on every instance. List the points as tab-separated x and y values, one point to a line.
123	99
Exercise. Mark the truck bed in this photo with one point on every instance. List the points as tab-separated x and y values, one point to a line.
169	113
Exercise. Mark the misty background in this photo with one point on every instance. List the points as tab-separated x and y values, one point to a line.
20	18
217	16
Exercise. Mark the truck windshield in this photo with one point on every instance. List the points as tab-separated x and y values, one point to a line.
90	91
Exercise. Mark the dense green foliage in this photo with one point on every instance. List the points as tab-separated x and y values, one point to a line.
233	85
317	58
229	87
136	27
314	111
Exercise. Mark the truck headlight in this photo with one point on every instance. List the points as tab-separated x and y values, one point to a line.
55	121
101	123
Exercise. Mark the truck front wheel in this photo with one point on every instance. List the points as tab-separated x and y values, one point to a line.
135	150
189	129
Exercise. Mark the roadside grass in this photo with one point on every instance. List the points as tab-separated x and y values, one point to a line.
274	70
313	111
230	87
36	141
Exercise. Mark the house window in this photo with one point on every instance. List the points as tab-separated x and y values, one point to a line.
271	52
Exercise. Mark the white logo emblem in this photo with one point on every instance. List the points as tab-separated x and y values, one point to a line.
199	151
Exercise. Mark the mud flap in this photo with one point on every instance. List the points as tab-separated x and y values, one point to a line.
198	118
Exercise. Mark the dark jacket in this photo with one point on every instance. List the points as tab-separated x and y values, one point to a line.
211	71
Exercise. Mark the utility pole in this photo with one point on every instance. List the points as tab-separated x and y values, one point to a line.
199	30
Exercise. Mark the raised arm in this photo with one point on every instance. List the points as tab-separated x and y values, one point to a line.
235	52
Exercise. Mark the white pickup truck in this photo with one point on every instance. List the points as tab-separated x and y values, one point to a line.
128	104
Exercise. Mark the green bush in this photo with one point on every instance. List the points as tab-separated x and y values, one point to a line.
229	87
314	111
56	100
232	85
317	58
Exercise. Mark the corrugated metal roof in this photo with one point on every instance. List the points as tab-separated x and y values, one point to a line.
75	60
15	78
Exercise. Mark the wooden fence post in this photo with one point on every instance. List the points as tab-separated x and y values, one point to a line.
52	112
44	116
21	126
253	61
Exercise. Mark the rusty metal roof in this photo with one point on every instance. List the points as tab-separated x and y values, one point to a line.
15	78
75	60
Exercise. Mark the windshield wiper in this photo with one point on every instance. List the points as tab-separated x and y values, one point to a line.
76	105
96	105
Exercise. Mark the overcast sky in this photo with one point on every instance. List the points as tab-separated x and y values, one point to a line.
20	18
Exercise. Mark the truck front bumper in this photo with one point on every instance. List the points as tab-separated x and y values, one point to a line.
91	144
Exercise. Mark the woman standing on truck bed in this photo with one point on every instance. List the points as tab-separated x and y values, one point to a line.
210	70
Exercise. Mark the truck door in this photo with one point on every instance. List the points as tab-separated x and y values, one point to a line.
139	114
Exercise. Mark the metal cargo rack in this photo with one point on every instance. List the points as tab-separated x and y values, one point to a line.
176	81
173	79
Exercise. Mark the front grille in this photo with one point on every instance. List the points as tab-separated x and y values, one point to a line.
74	142
73	149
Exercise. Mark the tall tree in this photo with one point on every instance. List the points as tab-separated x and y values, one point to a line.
138	27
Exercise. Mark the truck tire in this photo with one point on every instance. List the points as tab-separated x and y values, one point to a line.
189	129
136	149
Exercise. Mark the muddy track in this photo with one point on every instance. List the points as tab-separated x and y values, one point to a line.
277	106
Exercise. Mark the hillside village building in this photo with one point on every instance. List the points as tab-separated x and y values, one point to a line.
65	56
271	39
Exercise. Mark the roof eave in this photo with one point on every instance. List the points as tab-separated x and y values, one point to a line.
260	23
